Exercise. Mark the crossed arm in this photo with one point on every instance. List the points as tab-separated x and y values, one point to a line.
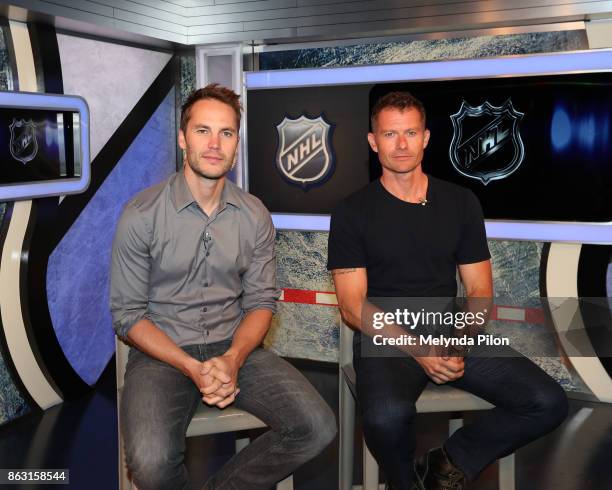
351	290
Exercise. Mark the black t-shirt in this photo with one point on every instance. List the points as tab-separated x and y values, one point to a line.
408	249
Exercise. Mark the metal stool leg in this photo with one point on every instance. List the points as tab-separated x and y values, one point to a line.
242	443
370	470
506	473
124	482
347	436
454	425
286	484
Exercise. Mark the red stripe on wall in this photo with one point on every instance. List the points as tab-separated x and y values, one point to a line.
307	297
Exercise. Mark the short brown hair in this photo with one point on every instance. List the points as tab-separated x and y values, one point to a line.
211	91
397	100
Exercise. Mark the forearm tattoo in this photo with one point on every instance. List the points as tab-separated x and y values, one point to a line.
337	272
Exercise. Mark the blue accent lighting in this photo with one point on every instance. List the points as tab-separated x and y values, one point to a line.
560	129
587	133
598	233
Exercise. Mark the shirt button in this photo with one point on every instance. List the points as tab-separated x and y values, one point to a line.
207	254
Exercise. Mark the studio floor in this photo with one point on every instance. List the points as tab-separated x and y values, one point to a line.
81	435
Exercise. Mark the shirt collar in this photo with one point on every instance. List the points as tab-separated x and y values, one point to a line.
180	193
229	194
182	197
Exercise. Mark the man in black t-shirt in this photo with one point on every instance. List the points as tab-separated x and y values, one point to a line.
406	235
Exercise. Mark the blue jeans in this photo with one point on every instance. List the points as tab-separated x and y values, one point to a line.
528	404
158	403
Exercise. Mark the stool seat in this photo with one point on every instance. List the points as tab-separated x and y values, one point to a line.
212	420
443	398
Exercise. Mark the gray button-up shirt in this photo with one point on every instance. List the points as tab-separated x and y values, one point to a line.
192	275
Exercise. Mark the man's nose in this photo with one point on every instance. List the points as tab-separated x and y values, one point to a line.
402	141
213	141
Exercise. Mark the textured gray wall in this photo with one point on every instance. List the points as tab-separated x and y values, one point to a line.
110	77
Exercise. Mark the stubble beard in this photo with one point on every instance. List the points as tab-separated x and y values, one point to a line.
397	169
193	160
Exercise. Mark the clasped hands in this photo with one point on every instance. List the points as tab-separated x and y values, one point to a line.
441	367
217	379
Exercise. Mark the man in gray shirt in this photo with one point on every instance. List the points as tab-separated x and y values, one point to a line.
193	290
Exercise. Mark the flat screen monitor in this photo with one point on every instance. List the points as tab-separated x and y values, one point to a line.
530	135
536	148
44	145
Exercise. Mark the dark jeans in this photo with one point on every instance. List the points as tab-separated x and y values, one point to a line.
528	404
159	401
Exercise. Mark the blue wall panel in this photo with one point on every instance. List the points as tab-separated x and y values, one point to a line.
78	270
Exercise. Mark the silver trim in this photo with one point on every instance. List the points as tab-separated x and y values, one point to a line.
244	161
61	143
76	145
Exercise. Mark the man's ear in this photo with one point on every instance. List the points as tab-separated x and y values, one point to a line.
426	139
181	140
372	142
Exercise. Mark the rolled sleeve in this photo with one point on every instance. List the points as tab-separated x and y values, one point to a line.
259	280
130	269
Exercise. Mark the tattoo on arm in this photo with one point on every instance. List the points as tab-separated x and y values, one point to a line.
337	272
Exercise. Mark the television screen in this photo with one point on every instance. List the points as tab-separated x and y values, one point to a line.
531	148
285	163
38	145
534	148
44	145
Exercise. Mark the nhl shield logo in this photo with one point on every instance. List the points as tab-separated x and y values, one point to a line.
23	145
304	155
486	142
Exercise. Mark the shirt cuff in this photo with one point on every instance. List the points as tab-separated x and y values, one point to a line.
124	322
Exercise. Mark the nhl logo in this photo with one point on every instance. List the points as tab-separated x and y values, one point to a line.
304	155
23	145
486	142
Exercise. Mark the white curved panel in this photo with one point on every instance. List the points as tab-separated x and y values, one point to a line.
10	308
561	283
15	334
562	270
24	60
